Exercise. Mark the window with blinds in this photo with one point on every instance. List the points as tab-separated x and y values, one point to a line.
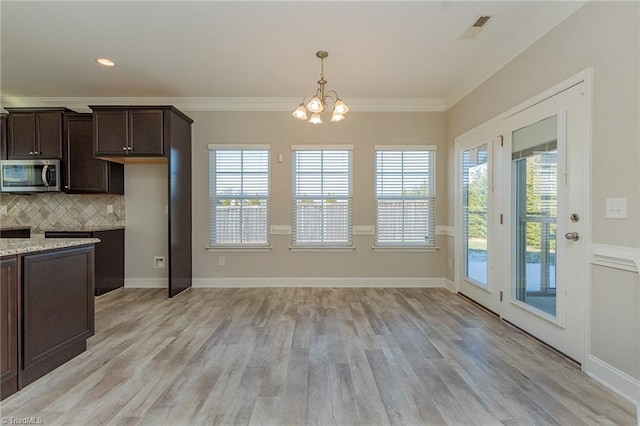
322	196
405	196
238	195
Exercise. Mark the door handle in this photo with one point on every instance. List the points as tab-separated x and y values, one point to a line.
45	175
573	236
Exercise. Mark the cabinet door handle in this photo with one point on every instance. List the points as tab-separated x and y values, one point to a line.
30	152
36	153
124	148
129	148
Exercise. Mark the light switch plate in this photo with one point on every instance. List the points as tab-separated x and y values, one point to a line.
616	208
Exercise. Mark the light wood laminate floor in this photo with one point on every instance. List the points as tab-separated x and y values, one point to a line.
316	356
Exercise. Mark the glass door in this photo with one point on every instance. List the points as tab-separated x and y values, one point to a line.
477	220
534	161
544	271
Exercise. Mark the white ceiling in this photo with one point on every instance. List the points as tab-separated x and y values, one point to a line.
265	49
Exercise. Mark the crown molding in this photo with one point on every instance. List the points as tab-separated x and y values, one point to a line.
546	20
227	103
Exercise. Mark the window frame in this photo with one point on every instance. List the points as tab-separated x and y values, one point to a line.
214	148
430	244
320	245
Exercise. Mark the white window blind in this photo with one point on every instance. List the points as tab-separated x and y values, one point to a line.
322	197
405	196
238	195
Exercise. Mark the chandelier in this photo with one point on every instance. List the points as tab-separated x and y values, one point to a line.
318	103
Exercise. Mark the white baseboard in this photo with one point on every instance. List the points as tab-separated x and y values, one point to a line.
616	380
145	283
450	285
318	282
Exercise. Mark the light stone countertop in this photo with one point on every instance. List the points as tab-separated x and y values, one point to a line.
13	246
82	228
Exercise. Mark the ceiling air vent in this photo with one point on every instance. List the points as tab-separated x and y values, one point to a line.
478	25
481	21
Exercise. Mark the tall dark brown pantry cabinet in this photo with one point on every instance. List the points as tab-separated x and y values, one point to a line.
156	134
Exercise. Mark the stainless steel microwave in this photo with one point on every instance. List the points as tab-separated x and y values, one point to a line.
30	175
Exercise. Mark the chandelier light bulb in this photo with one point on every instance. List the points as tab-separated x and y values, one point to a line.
340	107
337	117
300	112
106	62
315	105
315	118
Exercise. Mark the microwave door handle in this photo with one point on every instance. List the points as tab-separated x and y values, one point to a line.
44	175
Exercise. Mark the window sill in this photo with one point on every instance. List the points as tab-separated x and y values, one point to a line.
405	249
323	249
238	248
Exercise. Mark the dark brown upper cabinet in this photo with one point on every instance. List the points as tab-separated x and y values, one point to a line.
129	131
3	136
35	133
85	174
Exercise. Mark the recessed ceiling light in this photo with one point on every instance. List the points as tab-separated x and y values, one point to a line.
106	62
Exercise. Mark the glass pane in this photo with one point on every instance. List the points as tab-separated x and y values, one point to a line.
241	221
536	200
404	198
322	198
322	221
239	191
475	190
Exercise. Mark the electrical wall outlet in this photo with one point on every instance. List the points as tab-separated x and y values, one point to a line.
3	209
109	208
221	261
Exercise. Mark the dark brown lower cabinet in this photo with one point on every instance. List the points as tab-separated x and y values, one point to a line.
58	309
109	256
8	326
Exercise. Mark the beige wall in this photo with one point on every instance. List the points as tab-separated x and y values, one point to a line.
615	326
602	35
147	226
280	130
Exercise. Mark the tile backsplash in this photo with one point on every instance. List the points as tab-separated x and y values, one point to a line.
44	211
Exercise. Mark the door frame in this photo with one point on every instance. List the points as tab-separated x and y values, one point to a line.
495	125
